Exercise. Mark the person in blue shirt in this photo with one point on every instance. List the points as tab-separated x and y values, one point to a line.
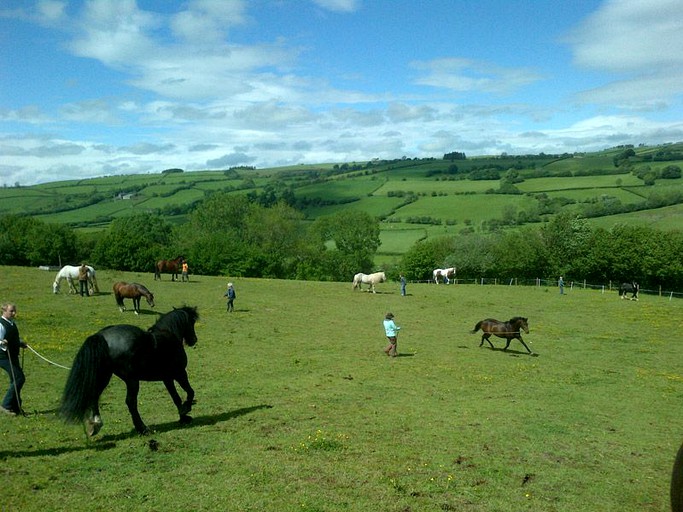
403	285
391	330
231	295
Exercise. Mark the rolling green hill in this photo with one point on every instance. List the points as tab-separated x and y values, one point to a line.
414	199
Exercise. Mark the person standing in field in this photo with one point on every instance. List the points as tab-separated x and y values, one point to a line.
184	275
403	285
10	343
560	283
83	280
391	330
231	295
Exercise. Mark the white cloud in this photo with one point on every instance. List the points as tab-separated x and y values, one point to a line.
641	41
630	36
339	5
465	75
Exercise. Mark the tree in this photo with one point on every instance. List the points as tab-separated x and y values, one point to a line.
134	243
348	240
565	237
29	241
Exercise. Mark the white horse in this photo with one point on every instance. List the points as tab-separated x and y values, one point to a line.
370	279
446	273
69	272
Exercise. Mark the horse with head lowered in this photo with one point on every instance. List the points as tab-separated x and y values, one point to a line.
70	273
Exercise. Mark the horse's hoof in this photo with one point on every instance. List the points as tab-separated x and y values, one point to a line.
93	425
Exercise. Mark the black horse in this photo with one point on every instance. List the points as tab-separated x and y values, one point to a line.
677	483
131	354
632	288
508	330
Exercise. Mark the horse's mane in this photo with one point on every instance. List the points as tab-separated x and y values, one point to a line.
516	319
142	288
176	319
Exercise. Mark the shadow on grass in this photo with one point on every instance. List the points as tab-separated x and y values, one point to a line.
109	441
513	352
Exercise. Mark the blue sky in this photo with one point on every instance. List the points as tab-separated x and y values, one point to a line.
105	87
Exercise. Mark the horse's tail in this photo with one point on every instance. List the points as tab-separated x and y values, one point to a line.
96	287
89	375
477	327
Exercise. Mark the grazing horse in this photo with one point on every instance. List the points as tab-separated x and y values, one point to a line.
508	330
133	291
632	288
170	266
445	273
70	272
131	354
370	279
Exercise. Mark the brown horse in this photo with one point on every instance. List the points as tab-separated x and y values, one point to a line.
133	291
508	330
170	266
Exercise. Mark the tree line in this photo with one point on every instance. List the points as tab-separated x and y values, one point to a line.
225	234
228	234
566	245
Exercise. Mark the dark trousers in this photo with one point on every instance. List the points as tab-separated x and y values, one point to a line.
230	306
84	288
12	400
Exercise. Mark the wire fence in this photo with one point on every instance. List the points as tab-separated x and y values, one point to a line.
550	283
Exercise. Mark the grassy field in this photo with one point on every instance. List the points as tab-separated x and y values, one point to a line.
298	408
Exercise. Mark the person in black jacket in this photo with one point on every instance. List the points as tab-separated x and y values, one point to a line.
10	343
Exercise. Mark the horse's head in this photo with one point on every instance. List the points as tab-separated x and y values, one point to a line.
55	287
519	323
150	299
191	316
524	324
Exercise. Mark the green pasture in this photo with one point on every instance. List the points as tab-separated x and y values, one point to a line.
377	206
594	161
111	207
341	189
396	238
182	196
625	196
666	218
579	182
471	208
433	185
298	408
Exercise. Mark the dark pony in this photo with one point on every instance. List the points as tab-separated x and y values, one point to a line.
133	291
131	354
170	266
632	288
508	330
677	483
